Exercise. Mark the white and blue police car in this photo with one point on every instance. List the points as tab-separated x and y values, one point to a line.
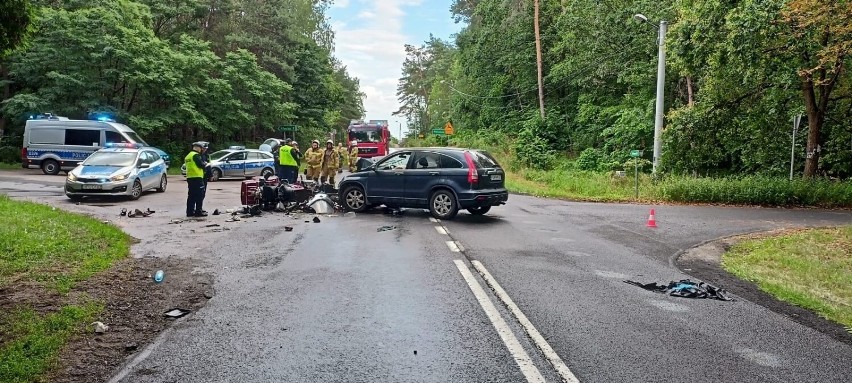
239	162
118	170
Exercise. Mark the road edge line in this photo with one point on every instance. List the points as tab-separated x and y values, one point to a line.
509	339
551	355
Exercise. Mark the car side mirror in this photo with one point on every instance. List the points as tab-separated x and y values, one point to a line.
144	166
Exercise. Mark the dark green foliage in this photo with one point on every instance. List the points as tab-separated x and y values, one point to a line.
758	190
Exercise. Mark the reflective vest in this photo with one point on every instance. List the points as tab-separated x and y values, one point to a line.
285	156
192	170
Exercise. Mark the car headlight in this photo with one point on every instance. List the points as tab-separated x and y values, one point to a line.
71	177
120	177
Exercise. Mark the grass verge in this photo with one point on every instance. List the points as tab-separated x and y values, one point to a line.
41	244
37	340
6	166
808	268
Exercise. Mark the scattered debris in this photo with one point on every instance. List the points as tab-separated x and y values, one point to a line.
349	214
149	211
123	212
175	313
100	327
130	347
233	219
392	211
216	212
175	221
316	220
288	228
686	288
139	213
232	211
213	225
386	228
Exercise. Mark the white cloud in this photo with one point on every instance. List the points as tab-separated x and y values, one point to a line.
340	4
374	53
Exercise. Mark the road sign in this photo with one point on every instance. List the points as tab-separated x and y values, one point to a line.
287	128
634	153
439	132
448	129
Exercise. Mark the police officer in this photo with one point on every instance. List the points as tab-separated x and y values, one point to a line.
287	157
313	157
208	172
353	157
330	164
195	181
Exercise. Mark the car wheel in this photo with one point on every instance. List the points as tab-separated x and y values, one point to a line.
266	172
443	205
354	199
136	191
50	167
479	210
216	175
163	183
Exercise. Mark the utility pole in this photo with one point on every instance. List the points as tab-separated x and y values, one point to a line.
538	61
661	82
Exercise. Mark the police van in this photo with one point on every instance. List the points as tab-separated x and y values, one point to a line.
54	144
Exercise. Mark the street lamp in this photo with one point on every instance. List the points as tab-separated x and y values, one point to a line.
661	81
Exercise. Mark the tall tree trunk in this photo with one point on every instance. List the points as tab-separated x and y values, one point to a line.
689	91
814	126
538	61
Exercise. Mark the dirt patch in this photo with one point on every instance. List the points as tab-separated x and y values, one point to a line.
704	262
133	309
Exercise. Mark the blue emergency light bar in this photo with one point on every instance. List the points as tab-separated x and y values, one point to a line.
42	116
102	116
123	145
237	147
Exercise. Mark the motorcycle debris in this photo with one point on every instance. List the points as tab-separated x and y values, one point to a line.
386	228
316	220
216	212
213	225
288	228
123	212
175	313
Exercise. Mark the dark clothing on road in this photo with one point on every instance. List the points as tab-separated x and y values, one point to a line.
289	173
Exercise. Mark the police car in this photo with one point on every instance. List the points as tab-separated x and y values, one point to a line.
118	170
239	162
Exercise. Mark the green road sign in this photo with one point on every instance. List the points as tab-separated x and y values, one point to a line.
439	132
634	153
287	128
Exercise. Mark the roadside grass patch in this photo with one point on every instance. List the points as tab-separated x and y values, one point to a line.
757	190
54	248
37	340
808	268
7	166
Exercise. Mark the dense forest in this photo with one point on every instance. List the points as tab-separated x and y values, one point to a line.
228	71
737	74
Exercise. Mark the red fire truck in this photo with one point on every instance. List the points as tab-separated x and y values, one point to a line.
373	137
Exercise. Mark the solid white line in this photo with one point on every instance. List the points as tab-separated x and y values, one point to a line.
524	362
441	230
453	247
555	360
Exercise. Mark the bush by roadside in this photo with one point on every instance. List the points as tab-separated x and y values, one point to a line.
45	252
810	268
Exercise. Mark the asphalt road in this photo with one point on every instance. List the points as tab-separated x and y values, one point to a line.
339	301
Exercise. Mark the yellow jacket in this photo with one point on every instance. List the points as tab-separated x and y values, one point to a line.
313	157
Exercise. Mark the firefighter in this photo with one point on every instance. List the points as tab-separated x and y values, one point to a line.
341	155
329	163
313	157
287	157
353	157
195	181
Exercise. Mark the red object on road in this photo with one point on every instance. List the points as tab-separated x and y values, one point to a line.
652	221
247	192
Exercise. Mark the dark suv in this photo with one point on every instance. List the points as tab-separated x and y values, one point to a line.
443	180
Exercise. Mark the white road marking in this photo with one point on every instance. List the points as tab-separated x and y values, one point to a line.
561	369
441	230
521	357
455	247
433	219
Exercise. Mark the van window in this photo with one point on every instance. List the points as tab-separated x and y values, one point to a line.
115	138
47	136
82	137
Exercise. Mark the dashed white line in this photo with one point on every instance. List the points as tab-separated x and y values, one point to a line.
455	246
554	359
521	357
441	230
433	219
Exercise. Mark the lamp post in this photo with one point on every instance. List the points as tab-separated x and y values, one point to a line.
661	82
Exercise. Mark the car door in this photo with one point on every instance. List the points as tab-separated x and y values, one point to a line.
387	183
141	172
430	169
235	165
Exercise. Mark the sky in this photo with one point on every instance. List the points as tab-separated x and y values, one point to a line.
370	38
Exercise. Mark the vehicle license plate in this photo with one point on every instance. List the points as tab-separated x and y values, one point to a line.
496	177
92	187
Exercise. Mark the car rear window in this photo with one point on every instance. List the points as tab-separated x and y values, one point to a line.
484	160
